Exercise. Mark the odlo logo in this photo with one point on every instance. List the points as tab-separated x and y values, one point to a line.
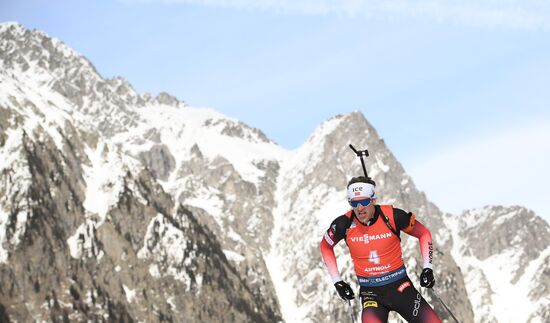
416	305
430	252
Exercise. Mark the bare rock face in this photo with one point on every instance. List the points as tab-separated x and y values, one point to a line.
159	160
247	221
511	243
506	225
167	99
129	269
237	129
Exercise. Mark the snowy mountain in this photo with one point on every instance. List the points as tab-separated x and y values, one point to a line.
312	193
106	192
116	205
504	251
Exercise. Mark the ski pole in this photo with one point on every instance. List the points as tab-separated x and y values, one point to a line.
352	313
448	310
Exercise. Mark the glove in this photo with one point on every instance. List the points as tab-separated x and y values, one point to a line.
427	278
344	290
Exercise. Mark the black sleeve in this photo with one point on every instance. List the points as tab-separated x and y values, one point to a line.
337	230
402	219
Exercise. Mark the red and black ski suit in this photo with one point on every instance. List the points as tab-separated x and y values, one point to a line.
377	258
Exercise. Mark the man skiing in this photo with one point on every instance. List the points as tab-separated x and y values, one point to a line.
371	233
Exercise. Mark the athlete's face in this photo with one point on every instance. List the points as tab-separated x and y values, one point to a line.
364	213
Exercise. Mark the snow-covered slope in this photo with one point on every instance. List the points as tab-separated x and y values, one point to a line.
503	252
145	208
110	138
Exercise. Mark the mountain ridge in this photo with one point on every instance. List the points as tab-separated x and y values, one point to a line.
138	163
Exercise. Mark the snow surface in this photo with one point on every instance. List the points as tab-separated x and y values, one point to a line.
172	302
11	24
509	302
16	169
130	293
210	201
286	293
309	153
80	240
169	249
233	256
103	181
181	128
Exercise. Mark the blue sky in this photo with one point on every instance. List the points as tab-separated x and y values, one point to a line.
443	82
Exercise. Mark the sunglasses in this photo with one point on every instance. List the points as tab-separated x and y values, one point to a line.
364	202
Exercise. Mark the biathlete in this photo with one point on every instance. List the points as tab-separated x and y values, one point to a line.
372	234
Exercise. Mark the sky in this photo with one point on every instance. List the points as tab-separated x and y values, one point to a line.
458	90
